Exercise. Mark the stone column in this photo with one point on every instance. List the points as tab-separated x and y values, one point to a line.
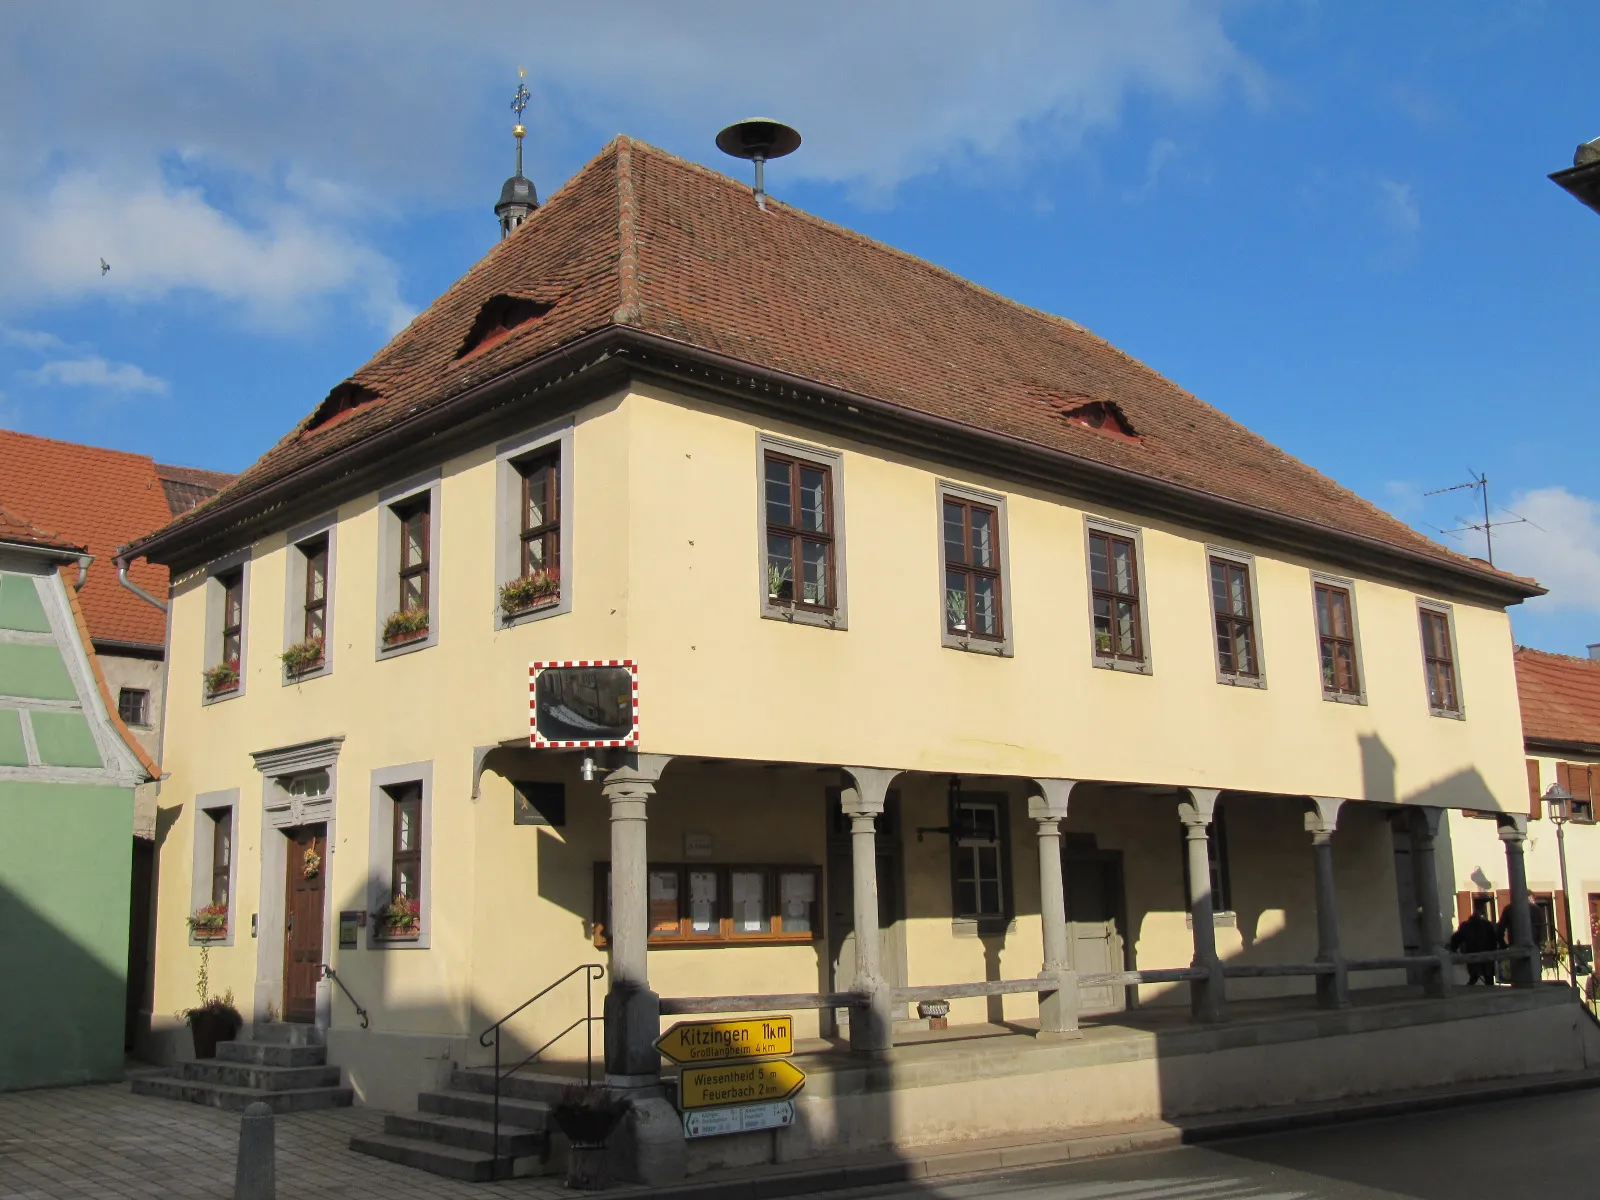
1525	971
871	1027
1058	1004
1430	923
1333	991
1208	996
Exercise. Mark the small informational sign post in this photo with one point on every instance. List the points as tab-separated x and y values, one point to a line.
743	1118
690	1042
738	1083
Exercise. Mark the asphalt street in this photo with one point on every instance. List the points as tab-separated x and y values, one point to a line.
1539	1147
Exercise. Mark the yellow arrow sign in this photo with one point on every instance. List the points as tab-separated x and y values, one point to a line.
718	1041
738	1083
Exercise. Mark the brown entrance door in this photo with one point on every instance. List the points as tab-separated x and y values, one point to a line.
302	925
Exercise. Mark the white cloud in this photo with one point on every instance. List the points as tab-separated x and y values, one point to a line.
1397	208
96	372
37	340
1162	152
1559	546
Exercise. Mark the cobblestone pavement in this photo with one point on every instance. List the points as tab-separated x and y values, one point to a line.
100	1140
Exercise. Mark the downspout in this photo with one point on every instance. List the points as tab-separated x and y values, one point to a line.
122	578
83	570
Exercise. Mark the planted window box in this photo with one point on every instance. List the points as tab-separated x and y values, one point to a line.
209	923
222	678
538	589
407	625
303	657
400	920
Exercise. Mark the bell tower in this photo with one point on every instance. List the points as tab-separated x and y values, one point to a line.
518	198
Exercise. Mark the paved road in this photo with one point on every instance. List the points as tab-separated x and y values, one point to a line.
1542	1147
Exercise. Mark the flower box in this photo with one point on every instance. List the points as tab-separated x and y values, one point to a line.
303	657
405	931
407	625
533	591
400	920
210	923
222	678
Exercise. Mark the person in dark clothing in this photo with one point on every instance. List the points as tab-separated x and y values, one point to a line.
1535	920
1475	935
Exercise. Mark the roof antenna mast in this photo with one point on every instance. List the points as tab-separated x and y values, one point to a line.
1480	482
758	139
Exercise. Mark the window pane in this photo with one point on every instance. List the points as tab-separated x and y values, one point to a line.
955	535
413	548
663	902
230	648
538	491
780	504
988	861
1338	614
966	899
1122	566
1245	647
797	894
986	614
1324	618
1344	668
703	901
408	824
222	845
989	898
407	881
532	555
1126	631
1102	626
411	593
1219	586
815	582
983	536
1099	566
813	499
312	783
1225	646
316	577
1328	679
780	567
955	601
749	897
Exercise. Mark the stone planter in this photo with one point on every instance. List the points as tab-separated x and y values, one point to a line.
208	1026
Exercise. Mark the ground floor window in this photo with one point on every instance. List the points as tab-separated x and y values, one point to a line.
700	903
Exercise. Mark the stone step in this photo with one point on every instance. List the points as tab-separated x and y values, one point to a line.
453	1162
268	1055
466	1133
287	1033
524	1114
237	1099
545	1086
261	1078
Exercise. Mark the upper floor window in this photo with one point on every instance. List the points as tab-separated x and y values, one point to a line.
1439	662
408	548
1336	642
1234	617
226	596
533	526
314	626
221	854
414	553
1114	591
799	517
1580	781
972	602
541	515
133	706
232	615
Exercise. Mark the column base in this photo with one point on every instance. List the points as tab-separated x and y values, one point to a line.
1058	1008
1333	991
649	1146
872	1024
1440	981
633	1024
1208	999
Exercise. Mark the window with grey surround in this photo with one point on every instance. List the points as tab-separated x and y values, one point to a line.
1439	659
221	854
1235	627
533	526
540	535
802	532
414	516
227	616
1119	635
214	864
1338	659
974	584
308	618
133	706
408	566
232	644
399	869
314	608
980	859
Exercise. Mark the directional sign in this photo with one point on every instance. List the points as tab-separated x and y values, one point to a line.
719	1041
738	1083
743	1118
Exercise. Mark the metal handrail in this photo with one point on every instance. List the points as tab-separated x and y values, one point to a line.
592	973
330	973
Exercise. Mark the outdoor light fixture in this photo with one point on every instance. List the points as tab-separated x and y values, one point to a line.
1558	801
588	768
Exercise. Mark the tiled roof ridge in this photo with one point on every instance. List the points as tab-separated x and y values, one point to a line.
202	476
627	235
1575	659
39	437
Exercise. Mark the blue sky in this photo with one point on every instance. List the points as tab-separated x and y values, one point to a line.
1330	220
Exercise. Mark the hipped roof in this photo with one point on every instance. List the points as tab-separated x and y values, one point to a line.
1559	696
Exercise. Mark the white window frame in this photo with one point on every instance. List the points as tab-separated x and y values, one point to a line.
1006	646
508	516
1349	585
1146	665
206	806
1248	562
380	843
1459	712
295	594
214	593
431	483
833	460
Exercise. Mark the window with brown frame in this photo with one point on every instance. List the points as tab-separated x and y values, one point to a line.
1438	660
800	532
232	615
315	625
1114	586
406	865
1336	641
972	605
413	519
541	513
221	853
707	903
980	859
1234	609
1581	781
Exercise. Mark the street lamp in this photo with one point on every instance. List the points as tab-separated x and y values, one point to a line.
1557	800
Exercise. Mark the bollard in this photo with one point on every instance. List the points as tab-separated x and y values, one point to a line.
253	1177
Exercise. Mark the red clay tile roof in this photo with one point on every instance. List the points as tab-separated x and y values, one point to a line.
19	531
101	499
1560	696
188	487
644	239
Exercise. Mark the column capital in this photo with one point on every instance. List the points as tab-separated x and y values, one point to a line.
1513	827
1322	817
1428	820
634	775
1200	808
864	790
1047	798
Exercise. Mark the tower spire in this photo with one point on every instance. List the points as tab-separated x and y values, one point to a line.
518	198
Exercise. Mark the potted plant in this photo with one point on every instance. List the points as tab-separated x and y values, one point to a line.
303	656
214	1019
956	611
209	923
588	1116
224	677
777	582
400	918
407	625
536	589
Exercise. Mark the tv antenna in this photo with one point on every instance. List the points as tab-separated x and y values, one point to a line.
758	139
1480	483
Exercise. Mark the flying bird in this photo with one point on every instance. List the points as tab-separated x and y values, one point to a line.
104	266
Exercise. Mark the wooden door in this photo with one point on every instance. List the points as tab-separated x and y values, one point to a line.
302	924
1094	917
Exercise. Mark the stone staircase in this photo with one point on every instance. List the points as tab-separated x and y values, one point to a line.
452	1132
285	1066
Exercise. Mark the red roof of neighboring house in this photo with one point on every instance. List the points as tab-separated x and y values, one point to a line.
100	500
19	531
644	240
1560	696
